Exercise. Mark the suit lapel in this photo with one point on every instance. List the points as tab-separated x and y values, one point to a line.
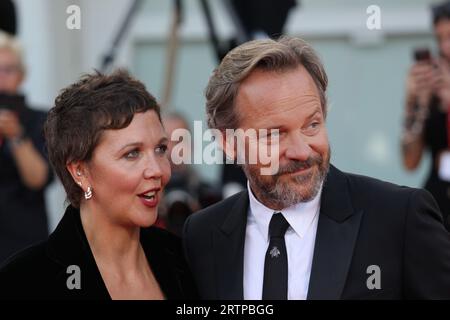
67	246
228	244
337	232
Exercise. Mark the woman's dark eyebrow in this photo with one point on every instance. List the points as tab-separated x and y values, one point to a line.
163	140
132	144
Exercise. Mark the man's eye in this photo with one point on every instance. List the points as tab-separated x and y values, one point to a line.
312	128
274	134
162	149
132	154
315	125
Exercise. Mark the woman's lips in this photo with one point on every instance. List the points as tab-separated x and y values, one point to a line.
150	198
149	202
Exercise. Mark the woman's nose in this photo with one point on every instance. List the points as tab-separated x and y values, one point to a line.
153	169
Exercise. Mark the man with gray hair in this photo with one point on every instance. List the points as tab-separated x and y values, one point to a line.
309	230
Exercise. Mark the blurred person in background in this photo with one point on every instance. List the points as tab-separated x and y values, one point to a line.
24	169
186	192
8	16
107	145
427	116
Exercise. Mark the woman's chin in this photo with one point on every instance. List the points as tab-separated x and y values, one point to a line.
146	220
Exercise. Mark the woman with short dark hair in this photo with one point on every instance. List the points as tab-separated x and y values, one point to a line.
107	144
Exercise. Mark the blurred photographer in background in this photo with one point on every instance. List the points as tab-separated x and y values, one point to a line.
186	192
24	170
427	112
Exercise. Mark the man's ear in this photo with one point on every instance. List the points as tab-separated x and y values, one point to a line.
78	172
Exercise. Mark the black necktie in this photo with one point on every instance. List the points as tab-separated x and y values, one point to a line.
275	285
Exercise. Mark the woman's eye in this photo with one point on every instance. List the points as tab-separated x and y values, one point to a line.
162	149
132	154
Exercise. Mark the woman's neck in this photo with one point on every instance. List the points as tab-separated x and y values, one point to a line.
119	256
112	244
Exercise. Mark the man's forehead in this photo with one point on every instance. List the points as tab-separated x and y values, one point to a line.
266	92
260	82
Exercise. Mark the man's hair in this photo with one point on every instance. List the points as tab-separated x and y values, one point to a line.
11	44
85	109
286	53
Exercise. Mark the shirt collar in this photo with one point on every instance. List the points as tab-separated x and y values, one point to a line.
300	216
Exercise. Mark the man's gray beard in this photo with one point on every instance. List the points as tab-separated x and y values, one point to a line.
278	195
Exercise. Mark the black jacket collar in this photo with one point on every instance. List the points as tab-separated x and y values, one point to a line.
337	231
67	246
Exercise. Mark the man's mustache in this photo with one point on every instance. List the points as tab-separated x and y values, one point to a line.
296	165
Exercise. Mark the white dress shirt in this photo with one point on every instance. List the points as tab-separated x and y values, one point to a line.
300	238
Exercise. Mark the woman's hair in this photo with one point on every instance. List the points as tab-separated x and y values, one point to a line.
82	111
9	43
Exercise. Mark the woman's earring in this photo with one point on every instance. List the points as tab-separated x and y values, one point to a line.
88	193
79	183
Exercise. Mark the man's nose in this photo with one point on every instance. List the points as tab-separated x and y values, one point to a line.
298	148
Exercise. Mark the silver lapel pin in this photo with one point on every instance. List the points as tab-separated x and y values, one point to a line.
274	252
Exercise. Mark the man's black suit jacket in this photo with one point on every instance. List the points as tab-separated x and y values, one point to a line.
362	222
